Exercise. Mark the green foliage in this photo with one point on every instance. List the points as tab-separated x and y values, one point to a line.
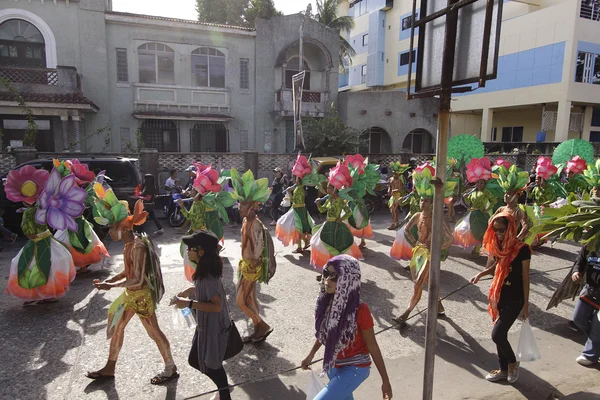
264	9
574	147
327	15
580	222
235	12
465	147
32	128
512	179
592	174
102	131
424	187
247	189
329	136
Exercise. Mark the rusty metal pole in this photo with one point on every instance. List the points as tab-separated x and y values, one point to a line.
437	236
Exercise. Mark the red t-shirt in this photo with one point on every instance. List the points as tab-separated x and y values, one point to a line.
357	352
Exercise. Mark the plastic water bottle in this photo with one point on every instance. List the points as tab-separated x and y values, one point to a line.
188	316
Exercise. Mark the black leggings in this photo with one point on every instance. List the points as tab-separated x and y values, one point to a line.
219	377
152	216
509	311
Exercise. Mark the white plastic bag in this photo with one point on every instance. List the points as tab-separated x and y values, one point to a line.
182	318
286	202
527	350
315	385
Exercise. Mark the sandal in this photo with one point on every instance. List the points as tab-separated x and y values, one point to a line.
97	376
160	378
263	337
247	339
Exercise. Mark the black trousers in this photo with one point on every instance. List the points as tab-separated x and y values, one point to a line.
219	377
509	311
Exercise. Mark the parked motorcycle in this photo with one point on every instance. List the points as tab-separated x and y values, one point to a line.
379	200
176	217
275	210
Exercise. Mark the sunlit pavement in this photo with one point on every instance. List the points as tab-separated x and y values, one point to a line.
45	350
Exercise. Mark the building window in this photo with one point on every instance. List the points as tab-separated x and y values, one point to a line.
363	74
160	134
244	140
595	136
494	134
21	45
404	57
292	69
156	63
244	74
208	67
122	70
512	134
366	40
418	141
596	116
209	137
363	7
588	68
407	22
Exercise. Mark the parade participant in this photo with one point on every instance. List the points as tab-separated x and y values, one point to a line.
43	270
509	292
513	182
542	193
396	191
296	225
364	179
470	230
419	264
208	299
334	237
402	249
85	246
280	183
208	198
258	253
574	180
148	195
344	325
141	278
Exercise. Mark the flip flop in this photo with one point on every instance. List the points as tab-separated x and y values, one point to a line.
247	339
159	380
99	377
263	337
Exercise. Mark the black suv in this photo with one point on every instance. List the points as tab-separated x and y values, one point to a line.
123	174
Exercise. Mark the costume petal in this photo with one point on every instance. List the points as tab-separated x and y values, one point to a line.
56	219
40	216
65	185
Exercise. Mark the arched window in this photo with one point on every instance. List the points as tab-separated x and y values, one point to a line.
208	67
293	67
160	134
209	137
21	45
375	140
418	141
156	63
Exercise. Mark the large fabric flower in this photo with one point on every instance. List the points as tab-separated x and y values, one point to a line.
82	173
25	184
503	163
60	202
339	177
576	165
425	166
206	180
301	167
357	161
479	168
544	168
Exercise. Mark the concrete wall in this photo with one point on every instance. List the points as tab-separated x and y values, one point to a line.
399	124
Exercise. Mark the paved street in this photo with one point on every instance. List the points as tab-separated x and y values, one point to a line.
45	350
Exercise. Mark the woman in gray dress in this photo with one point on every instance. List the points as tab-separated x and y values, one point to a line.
207	298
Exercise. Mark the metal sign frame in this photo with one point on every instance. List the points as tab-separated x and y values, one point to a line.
453	6
298	87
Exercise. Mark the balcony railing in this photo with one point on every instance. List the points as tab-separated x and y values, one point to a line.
313	103
33	76
307	97
590	9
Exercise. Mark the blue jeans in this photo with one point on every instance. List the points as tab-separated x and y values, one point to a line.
585	317
342	382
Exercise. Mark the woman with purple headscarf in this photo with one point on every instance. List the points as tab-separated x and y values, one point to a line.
344	325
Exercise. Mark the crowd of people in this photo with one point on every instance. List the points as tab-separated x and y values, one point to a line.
495	225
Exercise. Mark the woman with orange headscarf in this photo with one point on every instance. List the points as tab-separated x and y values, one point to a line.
508	262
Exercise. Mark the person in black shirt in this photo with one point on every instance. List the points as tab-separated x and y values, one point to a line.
585	314
509	293
280	182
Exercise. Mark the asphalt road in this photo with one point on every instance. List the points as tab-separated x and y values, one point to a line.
45	350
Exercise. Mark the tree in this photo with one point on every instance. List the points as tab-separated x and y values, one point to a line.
226	12
264	9
329	136
327	15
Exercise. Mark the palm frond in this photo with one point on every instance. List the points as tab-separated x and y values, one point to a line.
343	23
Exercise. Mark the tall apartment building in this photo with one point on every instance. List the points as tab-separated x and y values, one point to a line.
548	69
185	86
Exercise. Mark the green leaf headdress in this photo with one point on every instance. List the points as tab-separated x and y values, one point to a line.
512	179
399	168
592	174
247	189
110	211
422	182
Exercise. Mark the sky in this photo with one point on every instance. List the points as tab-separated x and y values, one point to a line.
185	9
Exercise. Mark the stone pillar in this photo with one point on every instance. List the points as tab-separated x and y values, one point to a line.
587	123
327	81
561	132
487	123
24	154
65	132
251	162
76	121
149	162
283	69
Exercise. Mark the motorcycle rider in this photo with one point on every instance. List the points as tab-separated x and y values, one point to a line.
280	183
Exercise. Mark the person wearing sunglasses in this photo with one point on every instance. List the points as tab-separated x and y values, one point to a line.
344	325
509	260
